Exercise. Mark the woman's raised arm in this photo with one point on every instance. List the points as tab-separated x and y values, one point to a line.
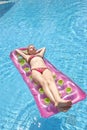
26	57
41	51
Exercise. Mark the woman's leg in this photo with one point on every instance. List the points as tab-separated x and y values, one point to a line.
49	78
38	78
52	86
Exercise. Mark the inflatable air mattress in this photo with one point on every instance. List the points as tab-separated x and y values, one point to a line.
67	88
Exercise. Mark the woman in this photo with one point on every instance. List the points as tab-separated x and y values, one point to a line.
43	76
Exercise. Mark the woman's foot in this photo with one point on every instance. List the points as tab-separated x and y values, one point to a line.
64	105
55	104
64	109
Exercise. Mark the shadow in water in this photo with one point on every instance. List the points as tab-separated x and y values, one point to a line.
5	7
48	124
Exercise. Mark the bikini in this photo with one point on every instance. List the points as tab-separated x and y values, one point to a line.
41	69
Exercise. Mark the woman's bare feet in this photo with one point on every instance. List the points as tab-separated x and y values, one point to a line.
64	105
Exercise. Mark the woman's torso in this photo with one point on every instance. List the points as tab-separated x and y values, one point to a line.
37	62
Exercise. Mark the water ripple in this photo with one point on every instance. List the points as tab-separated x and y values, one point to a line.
74	18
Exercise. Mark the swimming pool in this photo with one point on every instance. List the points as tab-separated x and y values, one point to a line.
5	6
60	26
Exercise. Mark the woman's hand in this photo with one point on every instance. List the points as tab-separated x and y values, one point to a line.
41	51
17	50
25	56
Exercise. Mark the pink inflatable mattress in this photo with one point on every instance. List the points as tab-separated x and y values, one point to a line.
67	88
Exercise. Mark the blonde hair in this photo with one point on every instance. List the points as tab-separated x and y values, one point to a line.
28	47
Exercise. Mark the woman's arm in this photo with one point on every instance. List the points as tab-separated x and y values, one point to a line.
25	56
41	51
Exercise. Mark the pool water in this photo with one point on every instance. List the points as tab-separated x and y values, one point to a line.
60	26
4	7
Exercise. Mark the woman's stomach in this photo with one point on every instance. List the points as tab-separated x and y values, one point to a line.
37	62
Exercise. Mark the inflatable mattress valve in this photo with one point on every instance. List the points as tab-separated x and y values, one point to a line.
41	91
47	101
68	90
26	69
54	76
60	82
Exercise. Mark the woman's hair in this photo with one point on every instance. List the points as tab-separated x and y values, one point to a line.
28	47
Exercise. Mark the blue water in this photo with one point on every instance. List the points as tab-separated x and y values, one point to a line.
5	7
60	26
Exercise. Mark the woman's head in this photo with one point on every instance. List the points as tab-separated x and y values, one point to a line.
31	50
